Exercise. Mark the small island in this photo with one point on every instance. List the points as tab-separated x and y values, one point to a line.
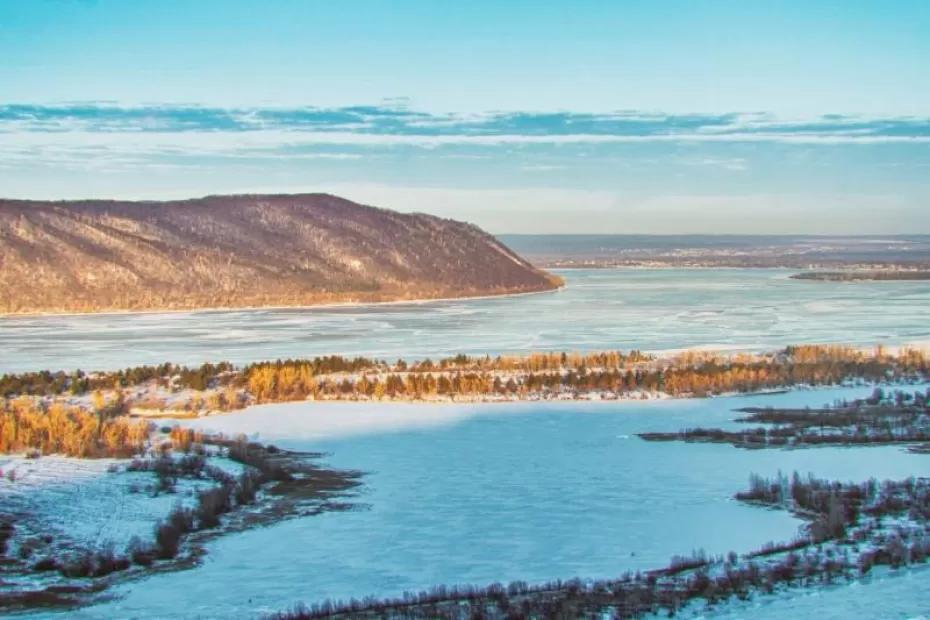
857	275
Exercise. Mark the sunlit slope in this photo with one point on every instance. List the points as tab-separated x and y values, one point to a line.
236	251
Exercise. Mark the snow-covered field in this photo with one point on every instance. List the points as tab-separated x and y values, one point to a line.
92	503
65	510
886	593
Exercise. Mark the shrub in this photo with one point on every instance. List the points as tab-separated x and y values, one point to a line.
168	533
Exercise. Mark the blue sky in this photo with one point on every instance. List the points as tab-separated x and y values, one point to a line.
522	116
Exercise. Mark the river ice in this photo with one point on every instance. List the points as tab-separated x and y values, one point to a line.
496	492
647	309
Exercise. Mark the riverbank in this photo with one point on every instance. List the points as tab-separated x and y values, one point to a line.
557	284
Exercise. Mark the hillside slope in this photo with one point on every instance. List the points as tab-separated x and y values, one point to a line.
236	251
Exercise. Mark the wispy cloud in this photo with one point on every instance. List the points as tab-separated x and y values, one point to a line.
396	124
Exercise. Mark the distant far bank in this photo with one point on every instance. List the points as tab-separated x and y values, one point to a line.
243	251
878	252
558	281
854	275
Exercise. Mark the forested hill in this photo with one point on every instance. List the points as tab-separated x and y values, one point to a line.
236	251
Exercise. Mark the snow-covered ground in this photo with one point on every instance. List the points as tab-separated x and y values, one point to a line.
886	593
65	510
91	503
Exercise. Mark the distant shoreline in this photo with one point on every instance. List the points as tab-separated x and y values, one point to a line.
323	305
657	267
887	275
635	264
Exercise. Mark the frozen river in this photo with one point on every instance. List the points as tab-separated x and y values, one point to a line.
649	309
483	493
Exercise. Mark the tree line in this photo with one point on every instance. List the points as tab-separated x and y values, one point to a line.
29	421
48	383
692	374
74	431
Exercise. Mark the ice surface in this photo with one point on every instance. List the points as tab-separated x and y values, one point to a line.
648	309
497	492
